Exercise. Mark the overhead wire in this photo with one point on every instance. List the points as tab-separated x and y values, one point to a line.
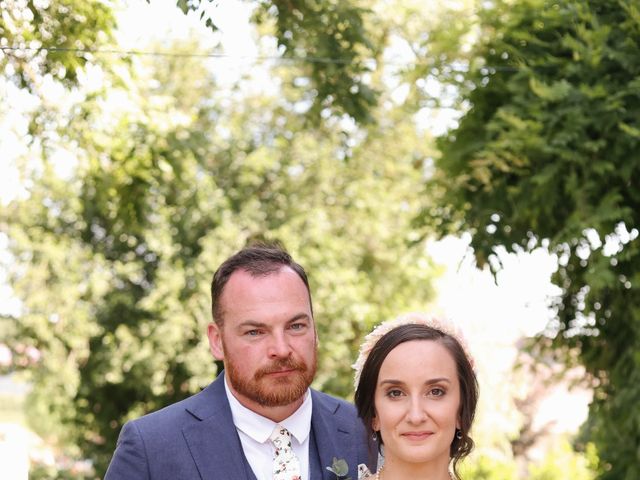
256	58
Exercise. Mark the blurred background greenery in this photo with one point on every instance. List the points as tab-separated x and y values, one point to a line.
354	132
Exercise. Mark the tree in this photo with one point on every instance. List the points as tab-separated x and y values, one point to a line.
335	48
46	39
546	154
328	41
112	260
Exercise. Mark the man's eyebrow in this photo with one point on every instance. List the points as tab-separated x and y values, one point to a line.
298	317
252	324
257	324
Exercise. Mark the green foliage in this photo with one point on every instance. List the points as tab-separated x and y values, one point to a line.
547	155
562	462
113	261
334	45
484	467
328	42
52	33
172	174
38	471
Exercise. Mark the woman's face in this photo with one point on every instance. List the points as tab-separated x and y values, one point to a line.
417	401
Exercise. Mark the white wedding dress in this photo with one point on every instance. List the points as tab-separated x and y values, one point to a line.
363	472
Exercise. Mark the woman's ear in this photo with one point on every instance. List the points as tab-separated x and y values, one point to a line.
375	425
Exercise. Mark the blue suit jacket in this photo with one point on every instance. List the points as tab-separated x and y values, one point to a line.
196	439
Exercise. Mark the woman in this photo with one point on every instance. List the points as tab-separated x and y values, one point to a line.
416	392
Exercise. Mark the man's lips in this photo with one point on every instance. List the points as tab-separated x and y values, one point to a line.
280	369
282	372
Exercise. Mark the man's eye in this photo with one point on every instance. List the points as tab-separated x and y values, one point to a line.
252	333
297	326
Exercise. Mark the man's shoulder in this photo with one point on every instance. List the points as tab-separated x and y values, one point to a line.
168	412
191	409
336	405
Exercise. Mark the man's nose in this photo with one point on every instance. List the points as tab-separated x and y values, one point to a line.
279	347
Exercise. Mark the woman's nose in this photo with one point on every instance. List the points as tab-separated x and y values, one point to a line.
417	412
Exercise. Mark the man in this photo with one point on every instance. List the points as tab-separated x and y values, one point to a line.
259	419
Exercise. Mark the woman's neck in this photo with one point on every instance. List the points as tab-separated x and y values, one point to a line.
399	470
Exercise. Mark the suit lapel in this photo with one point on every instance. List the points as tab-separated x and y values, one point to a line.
332	439
217	451
213	442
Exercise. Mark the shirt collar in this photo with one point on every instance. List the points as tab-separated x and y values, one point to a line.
259	428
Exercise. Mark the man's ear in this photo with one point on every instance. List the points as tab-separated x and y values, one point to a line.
214	333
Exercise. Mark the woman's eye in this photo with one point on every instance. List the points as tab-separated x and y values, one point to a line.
437	392
394	393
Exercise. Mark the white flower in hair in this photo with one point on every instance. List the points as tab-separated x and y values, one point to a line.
445	326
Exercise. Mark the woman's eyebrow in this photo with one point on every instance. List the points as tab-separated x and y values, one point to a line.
431	381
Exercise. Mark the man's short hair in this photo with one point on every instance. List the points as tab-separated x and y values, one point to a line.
258	260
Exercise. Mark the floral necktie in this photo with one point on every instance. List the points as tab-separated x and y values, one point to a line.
286	465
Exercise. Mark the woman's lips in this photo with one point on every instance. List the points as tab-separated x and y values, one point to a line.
417	435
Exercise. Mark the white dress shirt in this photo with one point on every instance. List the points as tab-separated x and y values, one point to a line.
254	431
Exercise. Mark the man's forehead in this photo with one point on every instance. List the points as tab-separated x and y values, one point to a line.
282	286
246	279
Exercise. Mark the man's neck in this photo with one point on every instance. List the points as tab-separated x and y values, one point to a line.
275	414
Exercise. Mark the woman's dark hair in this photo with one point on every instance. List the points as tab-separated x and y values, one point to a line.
366	389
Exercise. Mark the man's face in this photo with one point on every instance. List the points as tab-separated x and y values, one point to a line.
268	339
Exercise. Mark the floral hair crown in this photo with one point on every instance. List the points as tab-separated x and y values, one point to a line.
445	326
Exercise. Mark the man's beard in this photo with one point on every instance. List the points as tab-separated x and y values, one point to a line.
277	391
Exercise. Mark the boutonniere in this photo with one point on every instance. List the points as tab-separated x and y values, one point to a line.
340	468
